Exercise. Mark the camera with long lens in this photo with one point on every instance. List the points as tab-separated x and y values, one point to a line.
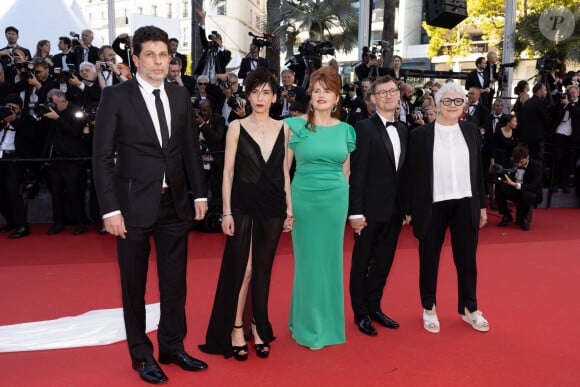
75	39
417	114
262	41
41	109
211	38
26	70
226	84
68	74
236	102
498	173
547	63
6	111
7	62
316	47
420	93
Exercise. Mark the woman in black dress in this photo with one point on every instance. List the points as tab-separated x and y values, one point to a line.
503	142
257	208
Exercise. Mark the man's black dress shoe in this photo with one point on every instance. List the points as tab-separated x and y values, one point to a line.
55	229
525	225
149	371
505	220
365	326
80	229
20	232
383	319
184	360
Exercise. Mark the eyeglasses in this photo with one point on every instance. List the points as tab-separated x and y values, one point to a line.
202	83
456	101
383	93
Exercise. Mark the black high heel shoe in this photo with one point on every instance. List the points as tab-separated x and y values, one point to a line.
262	350
236	349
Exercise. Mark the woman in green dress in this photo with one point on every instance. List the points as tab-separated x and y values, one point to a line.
321	144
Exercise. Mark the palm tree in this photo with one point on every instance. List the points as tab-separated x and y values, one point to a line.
323	19
388	30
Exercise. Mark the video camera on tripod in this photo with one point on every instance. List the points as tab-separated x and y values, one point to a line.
262	41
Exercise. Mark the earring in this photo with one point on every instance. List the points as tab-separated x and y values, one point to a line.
333	108
311	107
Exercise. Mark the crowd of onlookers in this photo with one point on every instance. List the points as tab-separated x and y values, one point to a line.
49	105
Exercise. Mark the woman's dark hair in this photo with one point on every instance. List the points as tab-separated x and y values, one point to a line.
519	89
259	77
148	34
506	119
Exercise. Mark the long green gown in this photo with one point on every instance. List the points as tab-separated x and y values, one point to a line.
320	205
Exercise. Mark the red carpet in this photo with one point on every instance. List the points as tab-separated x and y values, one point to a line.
527	285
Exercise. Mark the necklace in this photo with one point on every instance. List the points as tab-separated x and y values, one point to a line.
259	134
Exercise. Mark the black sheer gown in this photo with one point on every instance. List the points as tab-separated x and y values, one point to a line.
259	209
502	148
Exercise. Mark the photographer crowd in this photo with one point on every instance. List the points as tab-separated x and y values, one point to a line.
56	98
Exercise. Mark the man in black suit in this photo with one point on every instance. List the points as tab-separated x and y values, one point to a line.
83	50
145	152
59	60
534	121
214	57
176	76
17	132
480	78
173	46
566	137
491	70
477	112
375	209
524	189
11	34
288	94
252	61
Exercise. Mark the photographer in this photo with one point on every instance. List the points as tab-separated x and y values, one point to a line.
253	61
288	94
357	115
66	177
17	138
6	86
214	57
212	138
108	72
492	73
173	46
522	187
231	101
122	47
566	137
13	61
82	49
85	90
535	119
175	76
35	83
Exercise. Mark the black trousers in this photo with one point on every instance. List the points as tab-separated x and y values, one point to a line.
12	205
524	199
66	181
372	258
170	236
564	159
455	215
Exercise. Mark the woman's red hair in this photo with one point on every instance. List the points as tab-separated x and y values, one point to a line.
329	78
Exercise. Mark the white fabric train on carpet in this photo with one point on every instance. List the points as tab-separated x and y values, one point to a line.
97	327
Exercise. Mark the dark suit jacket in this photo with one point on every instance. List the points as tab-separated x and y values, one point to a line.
473	80
132	184
26	51
75	56
532	181
58	59
375	182
222	58
419	187
403	74
534	121
246	66
214	133
574	109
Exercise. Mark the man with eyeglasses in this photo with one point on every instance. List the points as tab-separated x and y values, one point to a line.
375	207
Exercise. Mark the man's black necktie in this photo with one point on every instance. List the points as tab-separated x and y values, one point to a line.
162	118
